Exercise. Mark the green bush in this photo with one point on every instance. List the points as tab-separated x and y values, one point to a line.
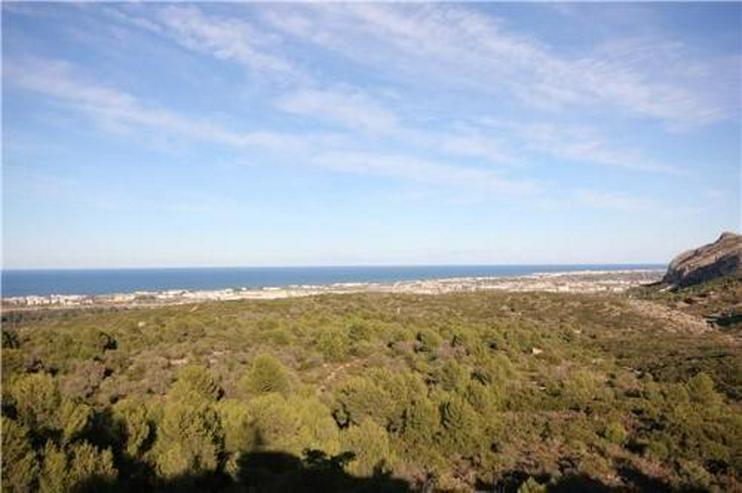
428	341
447	387
36	399
460	423
189	439
290	425
94	342
531	486
20	466
195	382
72	418
266	375
702	393
134	428
614	432
483	398
421	425
371	446
452	376
10	339
334	344
693	476
358	398
81	468
359	331
237	424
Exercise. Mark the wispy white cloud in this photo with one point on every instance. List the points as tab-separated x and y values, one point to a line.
356	109
226	38
472	46
637	204
614	200
115	110
473	143
349	107
431	172
584	145
112	108
645	78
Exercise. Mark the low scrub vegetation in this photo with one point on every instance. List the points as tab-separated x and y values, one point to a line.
490	391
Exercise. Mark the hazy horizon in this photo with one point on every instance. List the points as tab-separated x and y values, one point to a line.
269	135
42	282
328	266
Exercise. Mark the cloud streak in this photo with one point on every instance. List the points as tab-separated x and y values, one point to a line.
584	145
430	172
613	200
453	40
225	38
112	108
646	79
348	107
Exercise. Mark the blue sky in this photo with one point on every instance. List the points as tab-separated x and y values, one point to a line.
335	134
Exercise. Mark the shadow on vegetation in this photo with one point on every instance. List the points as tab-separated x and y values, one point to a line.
261	472
634	481
726	320
641	481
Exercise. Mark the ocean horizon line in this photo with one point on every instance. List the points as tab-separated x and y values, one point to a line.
48	282
333	266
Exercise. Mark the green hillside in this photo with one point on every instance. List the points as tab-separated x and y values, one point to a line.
486	391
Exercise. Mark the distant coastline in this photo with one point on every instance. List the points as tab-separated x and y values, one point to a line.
590	280
46	282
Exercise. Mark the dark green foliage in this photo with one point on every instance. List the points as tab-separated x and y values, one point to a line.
334	344
20	465
133	426
266	375
445	390
72	419
35	398
532	486
189	439
80	467
195	383
614	432
428	341
484	398
10	339
701	393
370	445
460	423
452	376
240	434
421	426
291	424
359	398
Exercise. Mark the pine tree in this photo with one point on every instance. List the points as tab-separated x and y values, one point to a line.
20	466
266	375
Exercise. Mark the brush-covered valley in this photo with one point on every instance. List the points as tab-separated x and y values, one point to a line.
377	392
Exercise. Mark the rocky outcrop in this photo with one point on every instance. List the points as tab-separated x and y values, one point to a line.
720	258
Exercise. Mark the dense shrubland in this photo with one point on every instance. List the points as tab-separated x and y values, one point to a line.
511	391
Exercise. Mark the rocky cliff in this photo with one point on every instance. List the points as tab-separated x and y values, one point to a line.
720	258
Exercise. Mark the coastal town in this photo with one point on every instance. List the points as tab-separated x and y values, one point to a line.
556	282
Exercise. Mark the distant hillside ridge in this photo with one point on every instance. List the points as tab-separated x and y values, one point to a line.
718	259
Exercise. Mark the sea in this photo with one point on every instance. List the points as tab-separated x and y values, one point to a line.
107	281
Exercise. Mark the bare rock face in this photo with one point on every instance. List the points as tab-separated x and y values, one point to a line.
720	258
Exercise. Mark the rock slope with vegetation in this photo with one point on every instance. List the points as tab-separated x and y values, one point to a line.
488	391
718	259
